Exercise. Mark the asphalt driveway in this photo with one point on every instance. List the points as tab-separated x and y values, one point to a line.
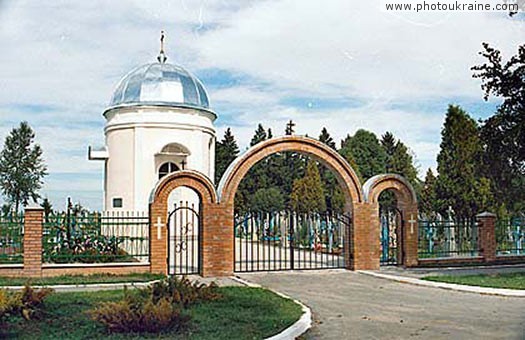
349	305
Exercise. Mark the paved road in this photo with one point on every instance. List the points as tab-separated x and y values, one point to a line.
349	305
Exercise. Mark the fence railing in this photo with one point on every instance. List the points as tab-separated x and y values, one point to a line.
448	238
11	239
96	238
510	236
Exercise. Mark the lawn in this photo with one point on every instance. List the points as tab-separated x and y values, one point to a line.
508	280
79	279
242	313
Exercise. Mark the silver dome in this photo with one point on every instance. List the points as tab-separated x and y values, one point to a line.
160	84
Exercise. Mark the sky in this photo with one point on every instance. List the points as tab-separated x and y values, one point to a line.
344	65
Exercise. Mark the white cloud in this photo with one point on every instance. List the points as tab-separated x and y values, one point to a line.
66	57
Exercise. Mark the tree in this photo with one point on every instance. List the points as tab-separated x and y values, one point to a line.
428	200
364	149
225	152
334	197
308	193
22	168
388	141
259	136
326	138
459	184
48	208
503	134
268	200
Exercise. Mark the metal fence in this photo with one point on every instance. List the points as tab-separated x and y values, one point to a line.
510	236
11	239
287	240
96	238
448	238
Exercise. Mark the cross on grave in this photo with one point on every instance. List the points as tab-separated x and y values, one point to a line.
159	225
411	222
183	164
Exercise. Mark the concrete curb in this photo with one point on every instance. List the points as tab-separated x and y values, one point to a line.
299	327
448	286
87	287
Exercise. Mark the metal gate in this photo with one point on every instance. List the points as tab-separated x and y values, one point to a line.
272	241
391	226
184	227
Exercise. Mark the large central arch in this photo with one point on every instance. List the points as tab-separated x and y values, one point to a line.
344	173
346	177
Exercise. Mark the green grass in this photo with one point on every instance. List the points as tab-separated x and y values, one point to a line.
79	279
242	313
508	280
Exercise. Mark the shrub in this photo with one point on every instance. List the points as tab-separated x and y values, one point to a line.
154	309
133	314
182	291
25	303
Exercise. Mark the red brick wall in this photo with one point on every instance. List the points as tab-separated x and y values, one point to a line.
33	241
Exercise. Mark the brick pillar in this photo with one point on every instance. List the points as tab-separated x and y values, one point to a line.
158	237
365	237
33	219
487	235
410	235
217	241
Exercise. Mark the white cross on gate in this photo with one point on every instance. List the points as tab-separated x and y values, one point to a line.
159	225
412	221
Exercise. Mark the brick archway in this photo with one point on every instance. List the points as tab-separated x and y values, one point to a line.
359	248
344	173
205	189
407	204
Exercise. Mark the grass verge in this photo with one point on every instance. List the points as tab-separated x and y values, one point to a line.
79	279
242	313
507	280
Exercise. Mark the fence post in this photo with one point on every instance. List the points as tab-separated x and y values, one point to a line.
487	235
33	219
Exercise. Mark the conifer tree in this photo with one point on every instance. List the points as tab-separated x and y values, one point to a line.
459	184
333	194
428	200
308	193
22	168
259	136
225	152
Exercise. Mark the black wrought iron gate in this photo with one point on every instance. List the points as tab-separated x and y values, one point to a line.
184	228
271	241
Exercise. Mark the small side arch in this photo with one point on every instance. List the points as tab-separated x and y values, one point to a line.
407	205
188	178
374	186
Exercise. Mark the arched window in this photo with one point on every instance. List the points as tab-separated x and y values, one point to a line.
167	168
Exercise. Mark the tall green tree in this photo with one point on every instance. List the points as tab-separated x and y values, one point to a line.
308	193
388	141
22	168
48	208
364	149
326	138
428	200
459	184
259	136
334	197
503	134
225	152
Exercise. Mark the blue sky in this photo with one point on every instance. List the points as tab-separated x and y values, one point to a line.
341	64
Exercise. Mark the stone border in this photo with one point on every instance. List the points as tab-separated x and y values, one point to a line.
64	288
448	286
300	327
